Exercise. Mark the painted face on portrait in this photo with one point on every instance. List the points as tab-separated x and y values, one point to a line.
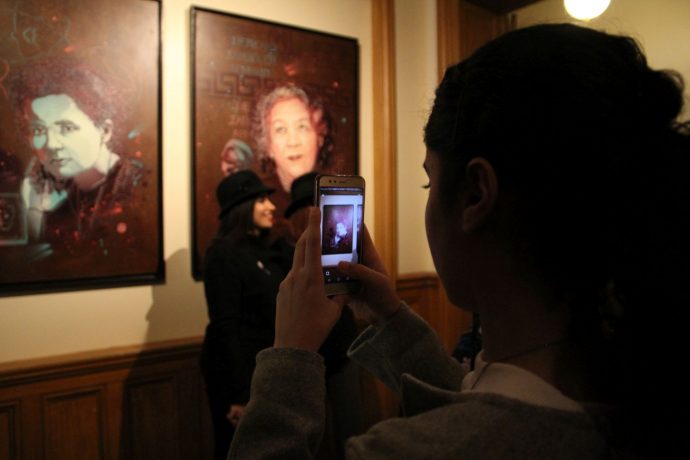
294	142
66	140
229	163
262	215
340	230
236	156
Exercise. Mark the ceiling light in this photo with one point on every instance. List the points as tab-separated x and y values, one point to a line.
586	9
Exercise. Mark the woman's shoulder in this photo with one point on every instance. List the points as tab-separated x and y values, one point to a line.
228	252
487	426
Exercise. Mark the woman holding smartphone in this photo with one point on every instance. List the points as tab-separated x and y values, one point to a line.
241	279
558	210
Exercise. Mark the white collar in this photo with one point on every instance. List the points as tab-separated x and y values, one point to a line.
517	383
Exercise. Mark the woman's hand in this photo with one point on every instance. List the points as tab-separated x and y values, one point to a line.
378	293
235	414
304	315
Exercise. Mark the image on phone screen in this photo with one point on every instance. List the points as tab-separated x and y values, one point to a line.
341	229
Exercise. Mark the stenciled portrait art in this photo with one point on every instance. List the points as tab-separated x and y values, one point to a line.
279	100
80	145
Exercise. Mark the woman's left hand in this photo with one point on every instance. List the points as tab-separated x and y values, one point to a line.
304	315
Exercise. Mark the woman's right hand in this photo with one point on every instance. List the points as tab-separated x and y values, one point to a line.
378	292
235	414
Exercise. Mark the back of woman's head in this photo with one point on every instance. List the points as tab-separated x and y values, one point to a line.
585	138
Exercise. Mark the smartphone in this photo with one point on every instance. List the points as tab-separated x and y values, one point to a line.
341	200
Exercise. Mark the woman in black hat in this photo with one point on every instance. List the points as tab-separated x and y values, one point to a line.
241	278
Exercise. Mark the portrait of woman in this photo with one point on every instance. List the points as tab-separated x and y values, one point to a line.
87	196
283	94
294	135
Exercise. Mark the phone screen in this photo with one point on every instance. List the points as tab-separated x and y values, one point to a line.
342	214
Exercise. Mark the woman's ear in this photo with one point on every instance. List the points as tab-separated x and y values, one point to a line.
106	131
480	194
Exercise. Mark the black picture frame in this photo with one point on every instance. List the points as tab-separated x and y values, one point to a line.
81	168
238	61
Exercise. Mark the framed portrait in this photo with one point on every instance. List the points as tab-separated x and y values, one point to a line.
80	144
276	99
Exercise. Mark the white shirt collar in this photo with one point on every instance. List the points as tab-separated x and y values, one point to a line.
517	383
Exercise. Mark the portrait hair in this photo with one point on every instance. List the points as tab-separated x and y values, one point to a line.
320	118
62	75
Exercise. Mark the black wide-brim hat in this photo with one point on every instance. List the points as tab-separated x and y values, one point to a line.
238	188
302	192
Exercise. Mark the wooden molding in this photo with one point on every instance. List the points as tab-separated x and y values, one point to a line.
448	38
385	132
463	26
89	362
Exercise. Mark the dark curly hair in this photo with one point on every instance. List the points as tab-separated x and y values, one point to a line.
586	137
62	75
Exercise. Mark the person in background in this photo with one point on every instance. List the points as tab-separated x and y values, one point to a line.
469	345
558	210
241	278
342	375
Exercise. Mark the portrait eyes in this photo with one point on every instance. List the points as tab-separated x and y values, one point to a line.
38	130
304	126
64	128
68	127
427	185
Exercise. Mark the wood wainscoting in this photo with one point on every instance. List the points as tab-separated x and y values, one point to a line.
148	402
425	294
121	403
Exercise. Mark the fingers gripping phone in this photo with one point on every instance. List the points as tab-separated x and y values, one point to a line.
341	200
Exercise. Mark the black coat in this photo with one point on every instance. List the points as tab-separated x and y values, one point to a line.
241	283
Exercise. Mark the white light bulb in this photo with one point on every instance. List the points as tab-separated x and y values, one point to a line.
586	9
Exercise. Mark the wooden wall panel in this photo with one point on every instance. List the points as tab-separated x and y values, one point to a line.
129	403
73	425
152	418
9	436
385	133
122	403
31	420
425	294
463	26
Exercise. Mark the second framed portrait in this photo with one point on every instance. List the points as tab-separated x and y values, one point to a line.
279	100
